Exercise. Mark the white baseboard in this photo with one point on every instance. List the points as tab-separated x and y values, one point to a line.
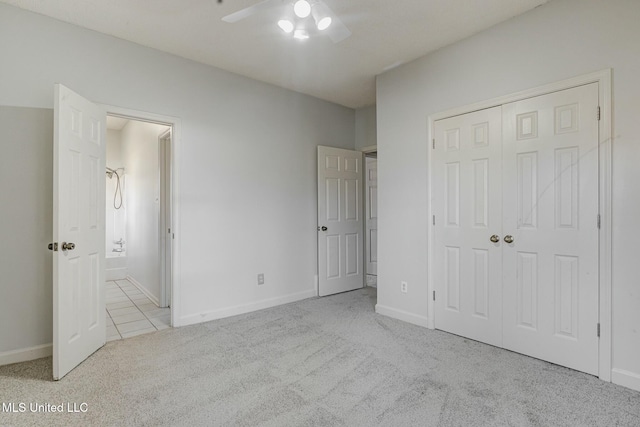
25	354
405	316
625	378
245	308
144	290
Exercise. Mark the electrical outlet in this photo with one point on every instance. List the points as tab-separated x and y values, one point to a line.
403	287
261	279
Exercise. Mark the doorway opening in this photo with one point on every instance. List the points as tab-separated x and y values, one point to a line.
138	232
371	217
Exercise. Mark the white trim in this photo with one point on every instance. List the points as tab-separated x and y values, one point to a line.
164	219
26	354
596	77
606	251
369	149
625	378
245	308
405	316
176	149
144	290
603	78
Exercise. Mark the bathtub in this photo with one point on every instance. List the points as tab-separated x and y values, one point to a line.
116	265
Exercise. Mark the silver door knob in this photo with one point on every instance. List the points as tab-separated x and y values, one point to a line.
68	246
323	228
495	238
508	238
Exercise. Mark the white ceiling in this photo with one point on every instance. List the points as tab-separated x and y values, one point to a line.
385	33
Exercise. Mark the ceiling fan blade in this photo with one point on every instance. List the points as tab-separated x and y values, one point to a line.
338	31
246	12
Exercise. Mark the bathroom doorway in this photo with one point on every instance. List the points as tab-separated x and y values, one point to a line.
138	232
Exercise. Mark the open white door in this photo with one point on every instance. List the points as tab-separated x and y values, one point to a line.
78	230
340	222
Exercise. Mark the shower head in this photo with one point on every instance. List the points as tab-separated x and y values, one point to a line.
110	172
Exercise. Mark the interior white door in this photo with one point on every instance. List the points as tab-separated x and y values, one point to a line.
78	228
371	211
340	220
467	181
550	151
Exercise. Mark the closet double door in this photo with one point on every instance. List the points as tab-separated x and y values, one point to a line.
515	205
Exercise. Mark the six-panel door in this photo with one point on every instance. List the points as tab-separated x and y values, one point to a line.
340	220
78	211
468	211
550	199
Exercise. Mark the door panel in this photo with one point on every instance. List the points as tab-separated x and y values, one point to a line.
340	246
550	199
467	206
79	211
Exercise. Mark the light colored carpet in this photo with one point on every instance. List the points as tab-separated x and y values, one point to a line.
319	362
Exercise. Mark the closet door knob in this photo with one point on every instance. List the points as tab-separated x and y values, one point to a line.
68	246
508	238
495	238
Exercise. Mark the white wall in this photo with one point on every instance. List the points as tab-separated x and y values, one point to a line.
559	40
248	164
26	191
115	219
366	131
142	198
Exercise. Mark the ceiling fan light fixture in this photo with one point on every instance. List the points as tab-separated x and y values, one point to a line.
324	23
285	25
302	8
300	35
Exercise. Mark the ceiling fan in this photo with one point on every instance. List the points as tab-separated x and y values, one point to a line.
300	18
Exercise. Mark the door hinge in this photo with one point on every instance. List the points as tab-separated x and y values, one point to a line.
434	295
53	246
598	221
598	330
433	219
433	144
598	112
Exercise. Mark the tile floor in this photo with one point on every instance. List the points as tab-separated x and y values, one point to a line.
131	313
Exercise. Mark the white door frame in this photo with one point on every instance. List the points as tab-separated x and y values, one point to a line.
176	146
164	216
604	80
369	149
